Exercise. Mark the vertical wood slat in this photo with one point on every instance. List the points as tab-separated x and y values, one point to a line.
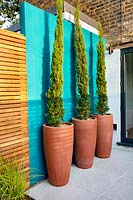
13	98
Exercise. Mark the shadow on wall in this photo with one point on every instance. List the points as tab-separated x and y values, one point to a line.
73	78
73	73
38	169
38	111
46	60
45	72
91	87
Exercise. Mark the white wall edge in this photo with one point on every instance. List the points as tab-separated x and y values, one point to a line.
70	17
113	75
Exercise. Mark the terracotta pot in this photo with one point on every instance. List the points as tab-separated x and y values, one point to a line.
85	132
104	135
58	148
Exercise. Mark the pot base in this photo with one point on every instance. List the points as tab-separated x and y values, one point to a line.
55	184
102	156
84	166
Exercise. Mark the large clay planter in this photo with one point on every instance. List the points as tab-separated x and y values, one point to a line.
85	132
58	148
104	135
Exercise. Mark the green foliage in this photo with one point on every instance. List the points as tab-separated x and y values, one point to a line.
12	180
83	107
102	105
9	9
55	110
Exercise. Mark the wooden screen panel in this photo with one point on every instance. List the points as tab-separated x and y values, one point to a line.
13	98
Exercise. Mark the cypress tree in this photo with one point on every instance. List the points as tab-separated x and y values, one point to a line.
102	105
55	110
83	107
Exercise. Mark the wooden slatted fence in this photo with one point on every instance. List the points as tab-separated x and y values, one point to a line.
13	98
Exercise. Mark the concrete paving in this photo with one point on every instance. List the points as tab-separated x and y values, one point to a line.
108	179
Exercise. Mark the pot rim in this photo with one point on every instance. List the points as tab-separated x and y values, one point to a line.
67	123
103	114
89	119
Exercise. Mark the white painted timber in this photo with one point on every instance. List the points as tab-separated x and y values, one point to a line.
70	17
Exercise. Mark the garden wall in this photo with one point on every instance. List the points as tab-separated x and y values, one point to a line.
38	26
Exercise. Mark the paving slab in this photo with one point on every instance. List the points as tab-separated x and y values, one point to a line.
104	198
108	179
123	188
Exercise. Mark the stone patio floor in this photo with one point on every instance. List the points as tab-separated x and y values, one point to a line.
108	179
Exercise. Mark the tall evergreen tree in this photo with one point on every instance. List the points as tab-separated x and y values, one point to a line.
102	105
83	107
55	110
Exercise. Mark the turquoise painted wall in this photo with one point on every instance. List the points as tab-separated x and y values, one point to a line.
39	26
